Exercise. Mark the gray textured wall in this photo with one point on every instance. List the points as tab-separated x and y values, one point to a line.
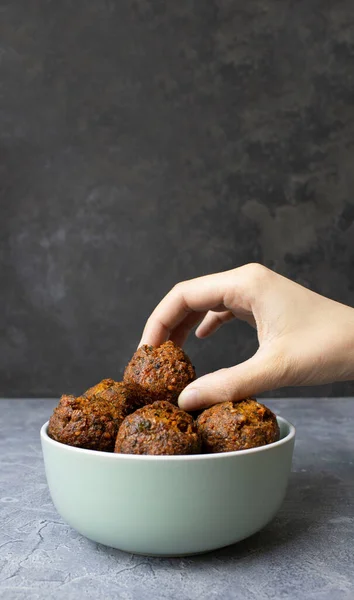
145	142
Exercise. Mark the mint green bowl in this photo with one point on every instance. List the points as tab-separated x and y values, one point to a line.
168	505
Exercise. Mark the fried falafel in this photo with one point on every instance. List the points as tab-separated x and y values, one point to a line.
92	420
124	396
160	373
158	428
238	425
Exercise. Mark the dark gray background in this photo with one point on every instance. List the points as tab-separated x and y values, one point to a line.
145	142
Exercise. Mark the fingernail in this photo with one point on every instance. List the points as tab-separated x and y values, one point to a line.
189	399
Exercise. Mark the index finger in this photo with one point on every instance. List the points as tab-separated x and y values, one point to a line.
210	292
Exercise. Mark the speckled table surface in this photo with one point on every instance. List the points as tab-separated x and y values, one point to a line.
305	553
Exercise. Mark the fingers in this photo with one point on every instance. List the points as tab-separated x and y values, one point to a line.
212	321
180	333
260	373
220	292
195	295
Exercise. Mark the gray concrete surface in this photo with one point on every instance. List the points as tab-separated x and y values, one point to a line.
145	142
305	553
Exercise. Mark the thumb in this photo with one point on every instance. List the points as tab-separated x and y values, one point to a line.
260	373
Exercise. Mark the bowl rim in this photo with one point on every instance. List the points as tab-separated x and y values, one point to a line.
168	457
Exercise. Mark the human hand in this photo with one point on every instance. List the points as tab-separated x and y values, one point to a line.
304	338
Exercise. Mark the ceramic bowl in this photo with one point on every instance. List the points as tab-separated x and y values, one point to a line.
168	505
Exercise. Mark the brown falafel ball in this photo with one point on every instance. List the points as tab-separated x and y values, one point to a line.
124	395
158	428
85	423
100	387
237	425
160	373
92	422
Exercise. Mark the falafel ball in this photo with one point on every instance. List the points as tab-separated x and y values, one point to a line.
160	373
100	387
124	395
93	422
238	425
158	428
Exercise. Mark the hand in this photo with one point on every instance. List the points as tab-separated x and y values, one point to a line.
304	338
